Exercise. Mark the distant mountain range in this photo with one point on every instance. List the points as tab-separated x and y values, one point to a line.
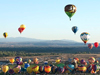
22	41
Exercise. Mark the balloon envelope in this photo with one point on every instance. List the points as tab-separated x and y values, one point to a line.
26	65
96	44
74	29
11	60
85	37
90	46
70	10
5	34
5	68
20	30
22	26
29	70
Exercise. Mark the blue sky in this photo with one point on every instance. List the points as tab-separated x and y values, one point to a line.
46	19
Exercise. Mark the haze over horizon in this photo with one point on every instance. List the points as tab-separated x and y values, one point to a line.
47	20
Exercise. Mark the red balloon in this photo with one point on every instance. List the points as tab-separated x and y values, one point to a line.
90	46
96	44
20	30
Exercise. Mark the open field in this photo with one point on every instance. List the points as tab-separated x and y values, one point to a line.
63	56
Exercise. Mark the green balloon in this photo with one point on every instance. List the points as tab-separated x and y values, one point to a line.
70	10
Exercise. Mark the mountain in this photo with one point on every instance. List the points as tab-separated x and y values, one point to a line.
23	41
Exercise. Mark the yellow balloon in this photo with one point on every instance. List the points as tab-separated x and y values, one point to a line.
5	34
22	26
5	68
11	60
35	69
29	70
16	70
58	61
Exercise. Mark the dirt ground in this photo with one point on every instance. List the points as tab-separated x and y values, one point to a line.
63	57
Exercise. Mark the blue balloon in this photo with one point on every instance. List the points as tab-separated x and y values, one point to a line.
26	65
74	29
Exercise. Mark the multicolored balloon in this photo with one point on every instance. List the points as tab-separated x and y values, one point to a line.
35	69
90	46
82	68
96	44
5	34
41	69
74	29
85	37
91	60
70	10
18	60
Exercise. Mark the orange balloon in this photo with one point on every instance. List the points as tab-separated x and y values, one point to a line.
11	60
47	69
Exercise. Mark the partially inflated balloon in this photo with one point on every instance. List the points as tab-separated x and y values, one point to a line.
90	46
85	37
96	44
16	70
5	68
74	29
29	70
70	10
5	34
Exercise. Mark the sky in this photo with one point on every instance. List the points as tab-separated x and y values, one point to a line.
46	19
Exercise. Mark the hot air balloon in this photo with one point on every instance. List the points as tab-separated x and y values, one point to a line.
29	60
22	26
90	46
5	68
82	61
47	69
96	44
18	60
35	69
82	68
11	60
5	34
54	69
92	68
29	70
61	69
91	60
20	30
70	68
11	71
70	10
16	70
41	69
26	65
35	60
75	29
85	37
